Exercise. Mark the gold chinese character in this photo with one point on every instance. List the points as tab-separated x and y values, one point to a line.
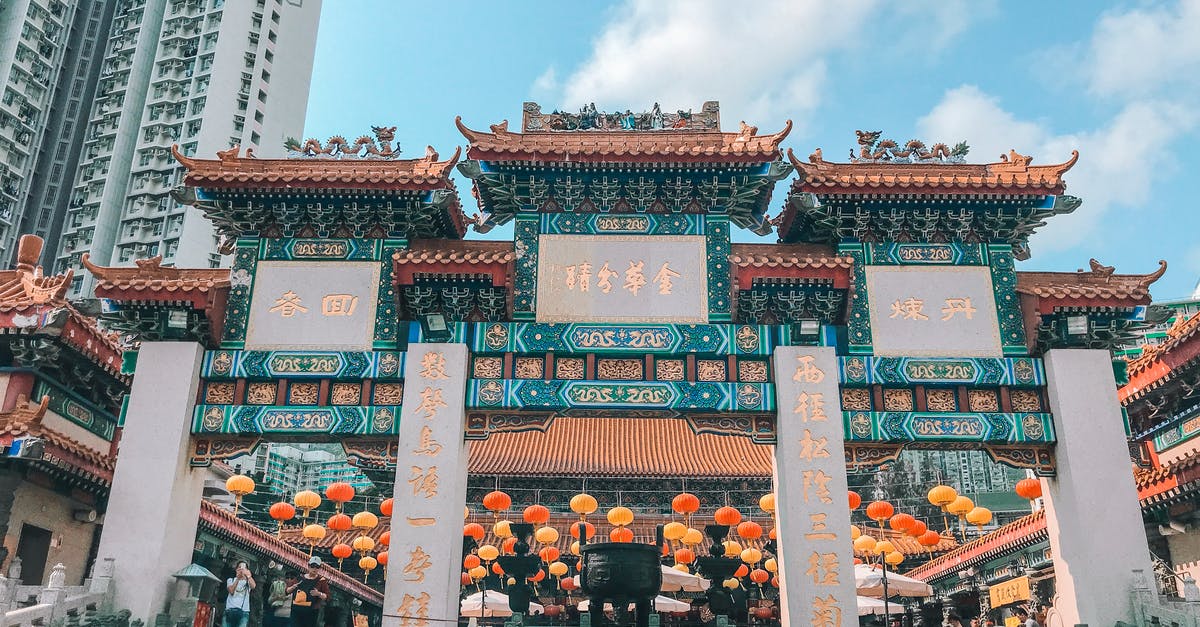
288	304
418	563
823	568
424	481
338	305
421	522
570	277
428	445
414	610
812	448
806	372
909	309
819	482
431	402
604	278
433	366
811	407
826	612
819	528
663	278
585	276
634	279
958	305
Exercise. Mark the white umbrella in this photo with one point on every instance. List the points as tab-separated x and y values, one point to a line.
869	582
491	603
868	606
661	604
676	581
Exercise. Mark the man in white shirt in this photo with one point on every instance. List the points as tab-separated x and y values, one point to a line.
237	604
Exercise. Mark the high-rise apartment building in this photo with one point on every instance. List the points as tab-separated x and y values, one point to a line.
288	468
50	54
202	74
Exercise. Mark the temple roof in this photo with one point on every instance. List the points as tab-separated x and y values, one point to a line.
155	281
452	253
1100	283
1021	532
1012	175
1165	483
619	447
231	171
25	419
1157	362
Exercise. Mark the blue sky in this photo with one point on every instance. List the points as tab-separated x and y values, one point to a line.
1116	80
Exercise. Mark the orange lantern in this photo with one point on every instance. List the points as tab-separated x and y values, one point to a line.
364	521
567	583
727	516
385	508
772	534
960	506
880	511
917	528
314	534
684	556
464	579
583	504
685	503
509	546
536	514
339	493
538	576
363	544
474	530
855	499
341	552
339	523
470	561
620	516
239	486
942	495
382	556
306	501
588	529
497	501
1029	489
759	576
901	522
749	530
282	511
385	538
548	554
775	581
496	568
742	571
367	563
621	534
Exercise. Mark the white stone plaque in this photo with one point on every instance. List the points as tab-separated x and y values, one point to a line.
325	305
622	278
943	312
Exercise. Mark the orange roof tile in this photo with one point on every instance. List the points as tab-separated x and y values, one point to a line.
1013	175
619	447
232	171
25	419
1098	283
1021	532
454	252
149	280
1154	367
1162	482
597	146
787	256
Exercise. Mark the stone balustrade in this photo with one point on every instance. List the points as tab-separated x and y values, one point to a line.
56	603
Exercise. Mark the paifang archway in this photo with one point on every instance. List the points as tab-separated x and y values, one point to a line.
890	315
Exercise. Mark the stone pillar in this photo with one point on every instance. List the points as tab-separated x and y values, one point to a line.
154	506
1097	539
816	563
425	556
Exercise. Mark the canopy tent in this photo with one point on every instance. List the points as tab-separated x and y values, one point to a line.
491	603
677	581
868	580
868	606
661	604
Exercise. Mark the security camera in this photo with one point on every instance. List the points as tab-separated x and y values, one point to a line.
86	515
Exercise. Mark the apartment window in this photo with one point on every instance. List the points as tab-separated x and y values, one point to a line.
266	76
77	88
239	127
144	160
258	116
262	96
275	17
271	36
255	138
149	135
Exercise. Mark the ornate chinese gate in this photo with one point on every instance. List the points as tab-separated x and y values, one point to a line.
890	315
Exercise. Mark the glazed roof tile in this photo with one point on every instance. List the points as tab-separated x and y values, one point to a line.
149	275
1158	363
453	252
1098	283
1021	532
232	171
25	419
1161	483
1013	175
683	146
619	447
787	256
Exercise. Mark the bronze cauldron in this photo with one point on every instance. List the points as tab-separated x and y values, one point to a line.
621	573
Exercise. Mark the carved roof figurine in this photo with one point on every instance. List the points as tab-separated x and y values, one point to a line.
596	137
365	147
882	166
26	286
1099	283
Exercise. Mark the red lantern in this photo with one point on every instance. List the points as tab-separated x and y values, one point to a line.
727	516
552	611
855	500
917	528
497	569
474	531
548	554
282	511
759	576
750	530
470	561
621	534
685	503
464	579
901	522
762	612
385	538
385	507
567	583
538	576
772	534
930	539
339	522
497	501
339	493
742	571
588	528
775	581
342	551
684	556
382	558
1029	489
857	561
509	546
880	511
536	514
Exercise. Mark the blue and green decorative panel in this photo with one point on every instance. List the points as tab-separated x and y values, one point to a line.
76	409
974	427
1008	305
525	250
241	284
295	421
534	337
621	224
310	248
673	396
230	364
978	371
858	323
719	278
387	331
1177	434
947	254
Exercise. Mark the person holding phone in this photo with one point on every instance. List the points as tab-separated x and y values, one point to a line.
237	604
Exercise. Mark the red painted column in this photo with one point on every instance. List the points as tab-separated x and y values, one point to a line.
19	383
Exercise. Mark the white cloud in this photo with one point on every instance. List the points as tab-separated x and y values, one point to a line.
1142	50
765	61
1118	162
546	83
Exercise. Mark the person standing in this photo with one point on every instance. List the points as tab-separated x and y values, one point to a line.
1025	618
237	603
309	593
280	602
